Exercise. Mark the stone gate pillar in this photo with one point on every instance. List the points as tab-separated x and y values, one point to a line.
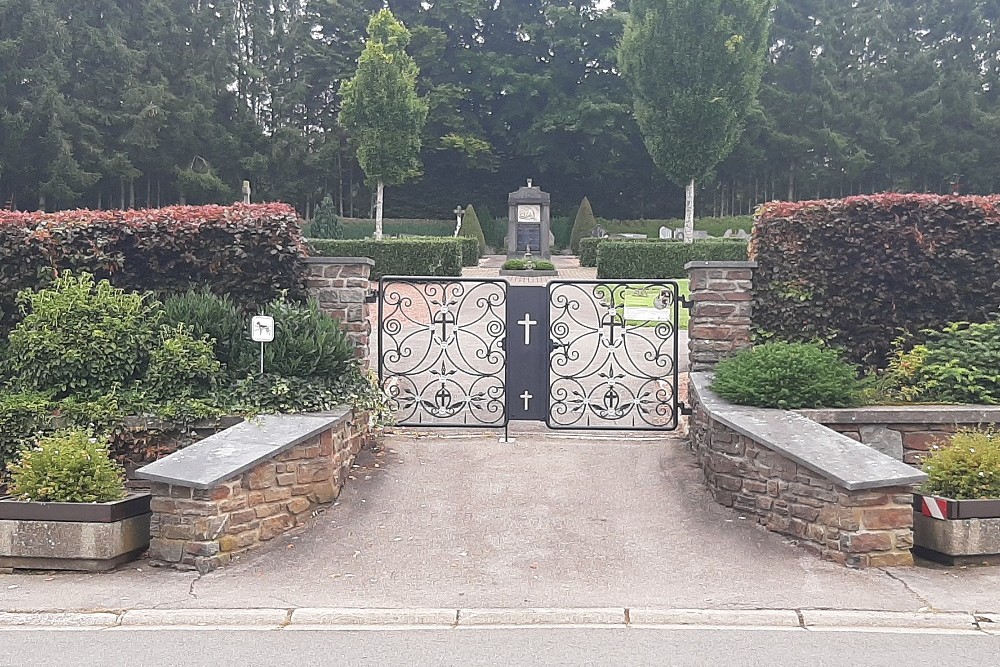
720	317
341	286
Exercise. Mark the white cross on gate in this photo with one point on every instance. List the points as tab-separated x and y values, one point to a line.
526	396
527	323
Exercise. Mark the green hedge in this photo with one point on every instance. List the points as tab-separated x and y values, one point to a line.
362	228
651	228
470	250
251	252
628	260
861	271
589	245
398	257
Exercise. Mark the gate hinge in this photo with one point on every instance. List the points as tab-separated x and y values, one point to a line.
685	409
685	302
372	296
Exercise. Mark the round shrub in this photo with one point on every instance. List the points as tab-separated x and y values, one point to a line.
81	336
788	376
67	467
966	469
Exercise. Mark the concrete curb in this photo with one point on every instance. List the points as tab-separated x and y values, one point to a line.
840	619
438	618
727	618
350	617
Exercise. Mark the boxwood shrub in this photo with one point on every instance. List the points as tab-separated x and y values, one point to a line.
788	376
398	257
662	260
859	271
968	468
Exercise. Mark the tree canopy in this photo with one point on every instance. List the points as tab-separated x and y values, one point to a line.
108	103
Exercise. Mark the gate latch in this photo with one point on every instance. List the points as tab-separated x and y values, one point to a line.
685	409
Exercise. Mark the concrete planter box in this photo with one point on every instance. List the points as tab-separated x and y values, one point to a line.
527	274
73	536
956	532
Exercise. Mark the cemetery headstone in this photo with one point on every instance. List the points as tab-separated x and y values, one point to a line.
529	220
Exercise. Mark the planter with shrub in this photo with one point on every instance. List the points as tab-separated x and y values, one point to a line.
957	513
68	508
528	268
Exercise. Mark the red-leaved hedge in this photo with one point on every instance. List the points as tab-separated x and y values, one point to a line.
861	271
251	252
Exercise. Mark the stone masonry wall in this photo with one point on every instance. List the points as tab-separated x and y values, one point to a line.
720	317
869	528
341	286
204	529
910	443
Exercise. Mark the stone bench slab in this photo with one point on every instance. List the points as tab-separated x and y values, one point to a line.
237	449
835	457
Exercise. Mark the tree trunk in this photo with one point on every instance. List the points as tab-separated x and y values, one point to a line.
689	213
149	193
41	203
378	212
121	194
131	192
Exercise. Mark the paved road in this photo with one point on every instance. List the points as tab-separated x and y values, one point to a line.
535	646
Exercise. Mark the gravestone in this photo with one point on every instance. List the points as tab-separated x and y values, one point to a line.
666	234
700	235
599	232
528	225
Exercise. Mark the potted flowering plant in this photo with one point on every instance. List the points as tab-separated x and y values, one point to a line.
68	508
957	512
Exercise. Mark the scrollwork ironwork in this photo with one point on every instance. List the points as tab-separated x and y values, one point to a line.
610	368
441	350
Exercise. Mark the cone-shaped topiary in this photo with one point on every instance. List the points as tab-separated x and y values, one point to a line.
583	226
472	228
326	224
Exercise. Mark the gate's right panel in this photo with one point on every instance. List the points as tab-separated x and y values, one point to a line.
613	363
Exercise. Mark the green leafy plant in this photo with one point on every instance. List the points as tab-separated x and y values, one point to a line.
470	251
528	265
958	364
81	336
70	466
307	343
218	318
21	416
788	376
181	366
968	468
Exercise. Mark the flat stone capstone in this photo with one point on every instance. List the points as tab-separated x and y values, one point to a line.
836	457
234	451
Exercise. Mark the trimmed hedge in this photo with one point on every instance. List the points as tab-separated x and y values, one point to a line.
857	272
252	252
398	257
470	250
362	228
589	245
628	260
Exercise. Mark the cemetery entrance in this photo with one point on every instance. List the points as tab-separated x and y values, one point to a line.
595	354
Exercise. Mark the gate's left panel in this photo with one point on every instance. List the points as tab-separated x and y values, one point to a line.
441	354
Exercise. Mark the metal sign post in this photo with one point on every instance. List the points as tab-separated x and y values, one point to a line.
262	331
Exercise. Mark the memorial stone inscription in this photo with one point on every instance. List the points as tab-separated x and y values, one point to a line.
528	223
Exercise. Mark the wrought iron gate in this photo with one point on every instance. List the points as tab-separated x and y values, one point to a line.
591	354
